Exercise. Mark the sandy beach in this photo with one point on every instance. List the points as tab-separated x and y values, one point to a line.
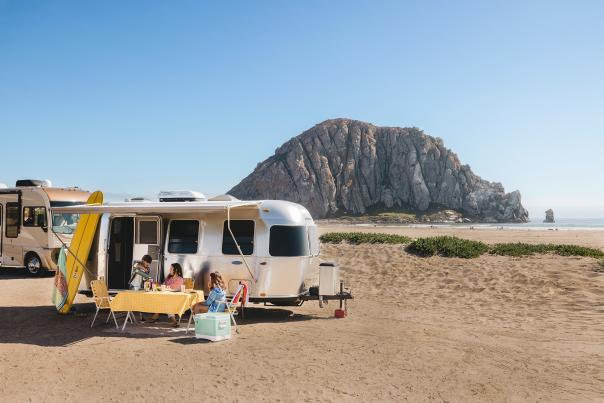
420	329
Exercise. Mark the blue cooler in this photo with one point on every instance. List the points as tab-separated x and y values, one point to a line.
214	326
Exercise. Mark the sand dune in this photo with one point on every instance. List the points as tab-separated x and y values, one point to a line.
487	329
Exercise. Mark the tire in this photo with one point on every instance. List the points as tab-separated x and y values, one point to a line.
33	264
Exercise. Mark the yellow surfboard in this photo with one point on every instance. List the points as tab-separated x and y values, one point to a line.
79	248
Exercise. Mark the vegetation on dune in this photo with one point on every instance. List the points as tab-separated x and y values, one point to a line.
356	238
447	246
401	216
523	249
450	246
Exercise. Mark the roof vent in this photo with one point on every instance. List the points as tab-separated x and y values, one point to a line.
181	196
223	198
33	182
137	199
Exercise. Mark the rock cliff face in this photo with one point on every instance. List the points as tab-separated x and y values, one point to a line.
348	166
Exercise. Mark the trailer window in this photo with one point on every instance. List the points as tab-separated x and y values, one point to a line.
147	232
12	220
34	217
313	240
184	236
288	240
243	230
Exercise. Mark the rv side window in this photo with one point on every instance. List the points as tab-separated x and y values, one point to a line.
34	216
184	236
12	220
65	223
243	230
288	241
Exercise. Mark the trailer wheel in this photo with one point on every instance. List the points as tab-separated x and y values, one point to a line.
33	264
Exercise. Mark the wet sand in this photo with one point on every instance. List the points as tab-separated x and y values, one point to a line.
488	329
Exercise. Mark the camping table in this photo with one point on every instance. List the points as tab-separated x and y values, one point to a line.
167	302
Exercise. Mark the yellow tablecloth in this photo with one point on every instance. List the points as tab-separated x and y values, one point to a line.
167	302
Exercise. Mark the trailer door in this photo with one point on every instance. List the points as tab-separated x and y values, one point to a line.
147	235
1	234
12	250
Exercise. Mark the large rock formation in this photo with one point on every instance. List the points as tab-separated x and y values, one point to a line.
348	166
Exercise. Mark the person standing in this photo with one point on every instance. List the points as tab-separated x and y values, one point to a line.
141	272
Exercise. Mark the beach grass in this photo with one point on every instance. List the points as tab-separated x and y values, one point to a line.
451	246
523	249
357	238
447	246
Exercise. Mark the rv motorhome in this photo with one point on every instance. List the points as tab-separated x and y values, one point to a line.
271	245
31	232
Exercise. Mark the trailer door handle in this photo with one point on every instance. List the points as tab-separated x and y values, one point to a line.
237	262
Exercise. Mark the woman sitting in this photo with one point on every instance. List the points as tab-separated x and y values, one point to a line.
174	281
216	298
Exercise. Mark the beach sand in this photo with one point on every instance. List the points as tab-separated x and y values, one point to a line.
487	329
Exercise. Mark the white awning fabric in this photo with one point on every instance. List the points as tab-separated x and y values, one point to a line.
159	207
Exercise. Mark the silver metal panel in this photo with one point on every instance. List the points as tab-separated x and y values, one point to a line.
159	207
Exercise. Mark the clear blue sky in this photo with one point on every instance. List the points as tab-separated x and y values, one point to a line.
132	97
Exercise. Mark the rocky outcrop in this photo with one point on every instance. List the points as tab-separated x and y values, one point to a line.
347	166
549	216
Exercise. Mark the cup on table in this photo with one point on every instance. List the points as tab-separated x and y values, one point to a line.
182	288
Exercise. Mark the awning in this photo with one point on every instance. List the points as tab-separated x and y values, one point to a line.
159	207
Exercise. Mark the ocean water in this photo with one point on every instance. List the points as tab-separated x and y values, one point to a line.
561	223
594	224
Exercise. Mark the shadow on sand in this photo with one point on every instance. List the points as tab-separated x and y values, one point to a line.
11	273
42	326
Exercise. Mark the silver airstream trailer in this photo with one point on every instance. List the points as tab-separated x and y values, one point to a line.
271	245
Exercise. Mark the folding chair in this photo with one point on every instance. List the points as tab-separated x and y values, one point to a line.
240	296
190	315
100	294
189	283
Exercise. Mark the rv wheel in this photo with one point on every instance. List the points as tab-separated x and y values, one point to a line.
33	264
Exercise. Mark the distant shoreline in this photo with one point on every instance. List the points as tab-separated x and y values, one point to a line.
562	224
481	226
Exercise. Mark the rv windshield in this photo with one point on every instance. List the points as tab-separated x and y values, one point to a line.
64	223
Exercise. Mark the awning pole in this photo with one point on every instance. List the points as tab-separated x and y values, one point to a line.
237	244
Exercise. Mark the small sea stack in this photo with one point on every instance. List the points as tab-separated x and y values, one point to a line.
549	216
